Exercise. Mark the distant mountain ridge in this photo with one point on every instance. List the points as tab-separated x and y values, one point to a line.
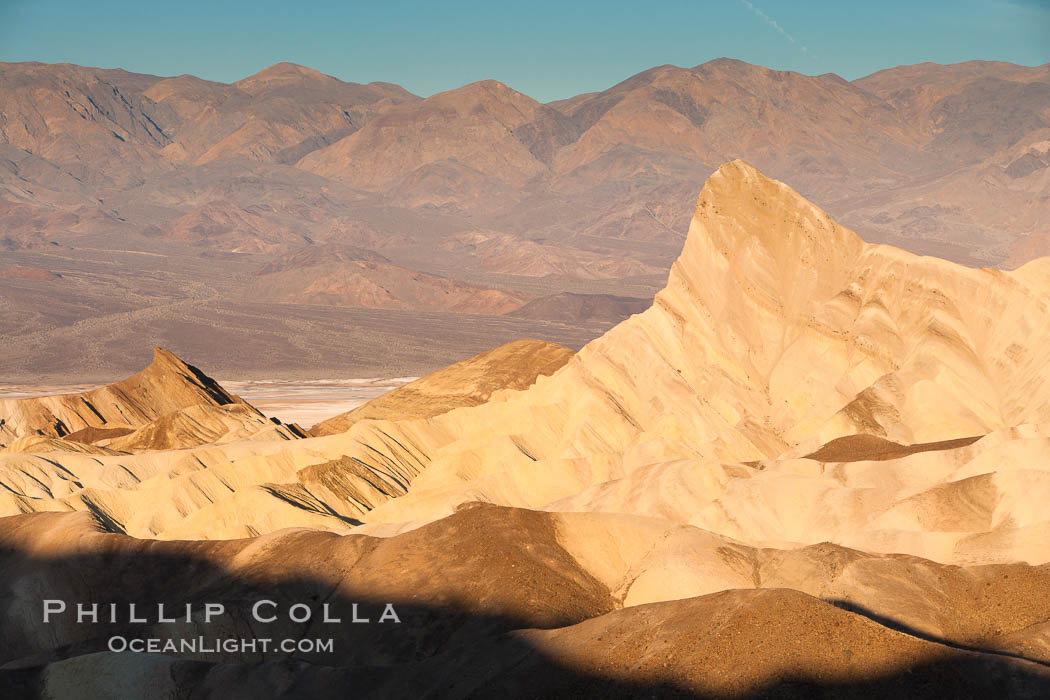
838	140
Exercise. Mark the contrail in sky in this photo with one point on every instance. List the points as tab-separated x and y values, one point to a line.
773	23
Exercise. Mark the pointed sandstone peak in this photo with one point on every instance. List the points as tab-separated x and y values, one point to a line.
739	202
163	356
166	385
180	384
756	236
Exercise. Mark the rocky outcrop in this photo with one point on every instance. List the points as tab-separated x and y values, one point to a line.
515	365
168	384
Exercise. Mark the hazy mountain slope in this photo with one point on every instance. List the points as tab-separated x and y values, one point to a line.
949	102
983	126
379	285
485	126
278	114
571	307
508	254
784	121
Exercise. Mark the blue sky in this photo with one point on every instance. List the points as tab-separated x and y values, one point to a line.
548	49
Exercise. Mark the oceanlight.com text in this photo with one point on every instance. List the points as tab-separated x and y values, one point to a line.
229	645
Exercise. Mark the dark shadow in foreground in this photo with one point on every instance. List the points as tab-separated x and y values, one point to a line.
455	648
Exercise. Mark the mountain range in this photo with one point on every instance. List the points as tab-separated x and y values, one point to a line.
131	201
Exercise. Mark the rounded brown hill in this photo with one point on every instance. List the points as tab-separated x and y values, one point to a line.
471	382
762	643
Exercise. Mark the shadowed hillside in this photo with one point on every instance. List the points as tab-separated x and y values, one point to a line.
492	605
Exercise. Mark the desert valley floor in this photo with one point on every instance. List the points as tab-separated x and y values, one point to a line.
813	467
